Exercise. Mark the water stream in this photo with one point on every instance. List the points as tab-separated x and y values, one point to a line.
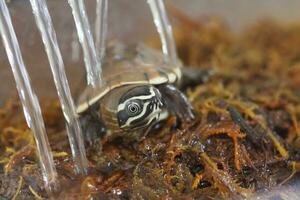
164	29
92	58
31	106
47	31
92	64
101	27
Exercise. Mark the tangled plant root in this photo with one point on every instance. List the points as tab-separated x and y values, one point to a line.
232	131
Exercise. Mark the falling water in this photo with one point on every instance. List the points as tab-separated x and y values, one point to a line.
28	98
164	29
75	48
92	64
45	26
101	27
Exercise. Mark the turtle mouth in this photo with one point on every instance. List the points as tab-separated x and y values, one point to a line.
159	117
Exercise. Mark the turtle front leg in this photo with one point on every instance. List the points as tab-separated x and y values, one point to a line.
92	127
177	102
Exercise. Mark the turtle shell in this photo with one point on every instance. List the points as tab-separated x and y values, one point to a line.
130	65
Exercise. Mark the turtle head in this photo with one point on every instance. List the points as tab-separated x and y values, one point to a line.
140	107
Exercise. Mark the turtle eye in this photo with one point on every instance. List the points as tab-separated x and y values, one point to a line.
133	108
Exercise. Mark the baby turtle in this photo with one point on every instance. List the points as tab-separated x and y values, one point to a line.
139	92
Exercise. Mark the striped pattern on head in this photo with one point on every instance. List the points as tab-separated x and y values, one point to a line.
140	107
